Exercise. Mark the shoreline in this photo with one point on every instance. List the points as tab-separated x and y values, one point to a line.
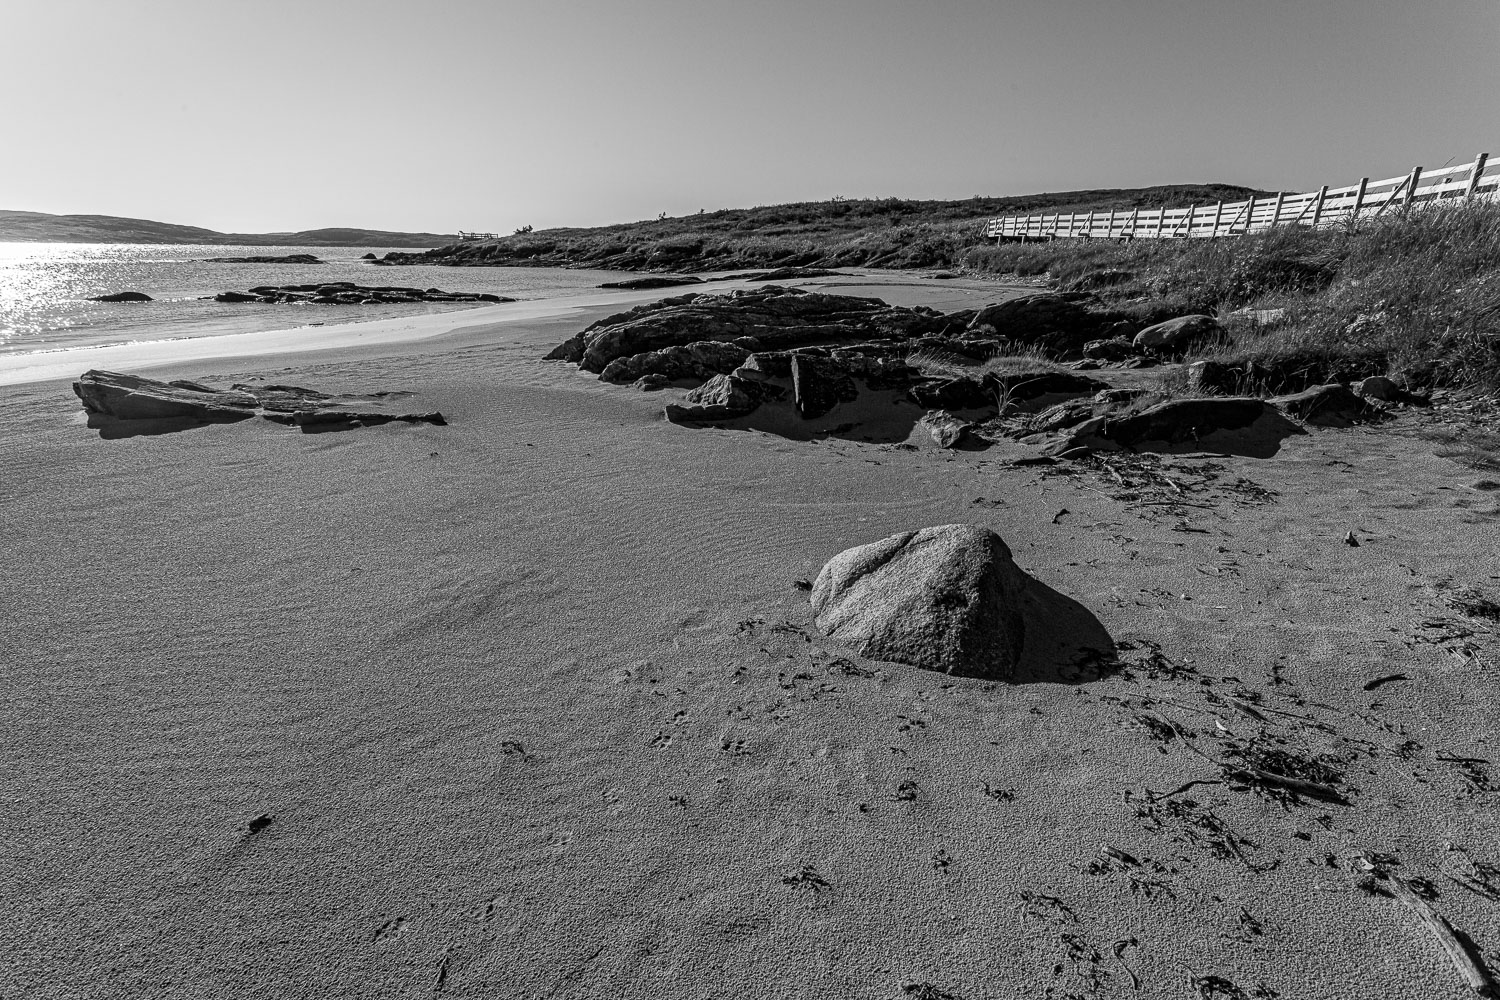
67	363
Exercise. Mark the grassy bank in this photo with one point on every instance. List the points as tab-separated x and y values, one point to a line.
1417	296
840	232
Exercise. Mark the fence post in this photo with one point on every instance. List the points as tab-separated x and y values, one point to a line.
1359	199
1411	186
1088	231
1249	217
1318	206
1218	214
1280	198
1134	219
1475	173
1161	220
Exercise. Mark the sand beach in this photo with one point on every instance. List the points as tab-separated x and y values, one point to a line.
531	705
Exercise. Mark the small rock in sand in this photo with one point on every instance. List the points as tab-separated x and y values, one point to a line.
946	598
946	429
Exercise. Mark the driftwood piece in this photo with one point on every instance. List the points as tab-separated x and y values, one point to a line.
1464	959
1311	789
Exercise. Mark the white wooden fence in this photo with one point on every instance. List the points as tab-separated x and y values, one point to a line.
1322	208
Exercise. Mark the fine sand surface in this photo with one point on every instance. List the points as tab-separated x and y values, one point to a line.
537	711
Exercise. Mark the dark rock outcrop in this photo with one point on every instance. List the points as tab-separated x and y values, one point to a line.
1111	349
945	598
132	399
1060	322
651	281
723	397
1179	420
700	361
1048	386
1176	334
348	293
122	297
1332	405
295	258
819	384
776	317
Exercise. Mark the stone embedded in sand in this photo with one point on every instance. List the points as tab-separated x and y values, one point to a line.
1332	405
945	598
1177	333
946	429
130	397
722	397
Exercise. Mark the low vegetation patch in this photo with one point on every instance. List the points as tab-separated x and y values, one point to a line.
1415	295
839	232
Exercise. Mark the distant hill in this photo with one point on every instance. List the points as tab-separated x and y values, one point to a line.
841	232
39	227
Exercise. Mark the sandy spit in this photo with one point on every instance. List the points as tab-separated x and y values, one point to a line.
535	708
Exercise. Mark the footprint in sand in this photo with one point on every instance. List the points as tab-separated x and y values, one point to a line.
391	928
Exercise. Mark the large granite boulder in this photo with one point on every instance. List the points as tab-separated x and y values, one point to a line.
1176	334
701	361
945	598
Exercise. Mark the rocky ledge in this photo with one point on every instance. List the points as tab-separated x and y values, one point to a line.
114	397
342	293
295	258
812	363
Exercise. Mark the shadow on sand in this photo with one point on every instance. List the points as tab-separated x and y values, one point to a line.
113	428
1065	643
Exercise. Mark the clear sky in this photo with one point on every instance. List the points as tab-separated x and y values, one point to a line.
490	114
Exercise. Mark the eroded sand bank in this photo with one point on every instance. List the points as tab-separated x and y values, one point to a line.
536	708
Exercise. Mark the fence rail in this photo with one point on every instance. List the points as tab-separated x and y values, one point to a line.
1323	208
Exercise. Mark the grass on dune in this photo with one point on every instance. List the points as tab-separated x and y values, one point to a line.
1417	294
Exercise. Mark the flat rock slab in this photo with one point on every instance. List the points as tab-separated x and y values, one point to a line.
133	399
946	598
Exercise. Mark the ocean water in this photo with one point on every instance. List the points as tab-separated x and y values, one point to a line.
45	288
